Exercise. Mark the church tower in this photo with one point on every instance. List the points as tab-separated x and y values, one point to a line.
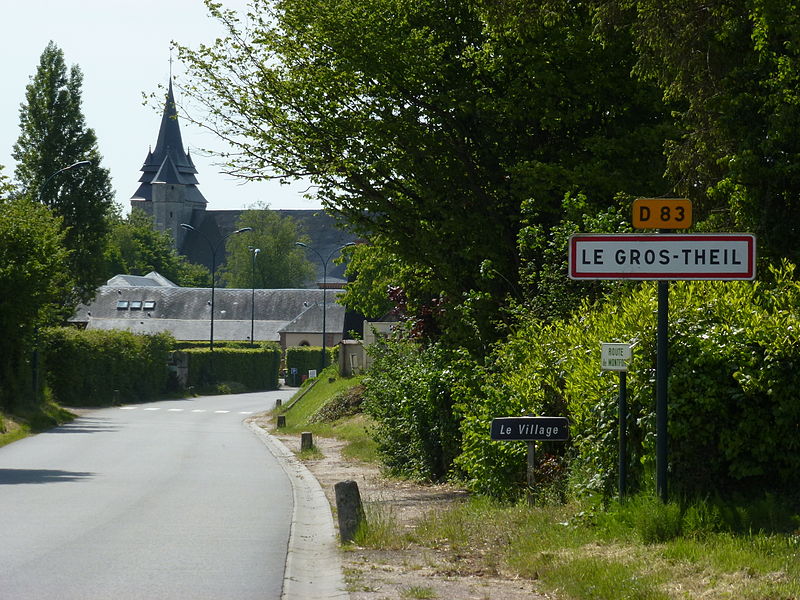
168	186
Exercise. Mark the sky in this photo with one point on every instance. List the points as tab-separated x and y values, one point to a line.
123	50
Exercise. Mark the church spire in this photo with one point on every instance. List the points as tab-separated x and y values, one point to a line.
169	149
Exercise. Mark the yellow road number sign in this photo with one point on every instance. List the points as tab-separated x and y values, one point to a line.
662	213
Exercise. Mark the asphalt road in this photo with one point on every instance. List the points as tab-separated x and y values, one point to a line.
169	500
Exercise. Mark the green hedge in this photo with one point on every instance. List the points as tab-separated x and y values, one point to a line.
98	368
305	359
409	392
734	415
253	368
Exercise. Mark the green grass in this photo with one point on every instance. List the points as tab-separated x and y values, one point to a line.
640	549
615	555
418	592
355	430
16	426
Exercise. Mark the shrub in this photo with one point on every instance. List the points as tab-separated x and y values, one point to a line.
733	410
307	358
251	368
98	368
409	392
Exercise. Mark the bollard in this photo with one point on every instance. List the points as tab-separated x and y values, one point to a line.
306	441
278	403
349	509
281	421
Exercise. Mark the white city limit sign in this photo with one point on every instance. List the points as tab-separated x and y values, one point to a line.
720	256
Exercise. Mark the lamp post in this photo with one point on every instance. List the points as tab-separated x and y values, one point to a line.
35	357
75	165
213	249
324	288
255	252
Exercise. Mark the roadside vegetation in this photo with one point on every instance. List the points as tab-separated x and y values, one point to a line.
28	420
330	406
583	548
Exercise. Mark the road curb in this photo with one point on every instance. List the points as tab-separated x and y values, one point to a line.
313	566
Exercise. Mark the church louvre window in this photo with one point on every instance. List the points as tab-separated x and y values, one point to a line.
122	305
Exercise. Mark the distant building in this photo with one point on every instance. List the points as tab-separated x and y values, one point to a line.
152	304
168	191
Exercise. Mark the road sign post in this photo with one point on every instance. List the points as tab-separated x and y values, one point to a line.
530	430
614	357
662	257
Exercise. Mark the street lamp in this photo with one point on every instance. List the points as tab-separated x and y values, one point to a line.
213	249
35	358
324	287
76	165
255	252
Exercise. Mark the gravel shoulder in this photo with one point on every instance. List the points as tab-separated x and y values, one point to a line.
407	570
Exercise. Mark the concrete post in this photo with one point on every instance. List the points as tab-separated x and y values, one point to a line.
281	421
306	441
349	509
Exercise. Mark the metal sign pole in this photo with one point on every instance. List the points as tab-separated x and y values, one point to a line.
623	434
531	472
662	374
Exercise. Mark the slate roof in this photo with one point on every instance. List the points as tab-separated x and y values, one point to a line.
310	320
168	162
185	312
151	279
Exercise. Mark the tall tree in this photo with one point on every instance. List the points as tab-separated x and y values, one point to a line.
279	262
53	135
135	247
33	283
732	71
420	123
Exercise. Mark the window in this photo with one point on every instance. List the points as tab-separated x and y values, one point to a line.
122	305
136	305
149	304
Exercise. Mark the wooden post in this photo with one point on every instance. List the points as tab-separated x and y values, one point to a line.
306	441
349	509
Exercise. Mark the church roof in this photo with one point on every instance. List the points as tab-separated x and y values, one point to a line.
168	162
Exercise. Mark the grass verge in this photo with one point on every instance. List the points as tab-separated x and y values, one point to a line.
637	550
352	428
16	426
614	556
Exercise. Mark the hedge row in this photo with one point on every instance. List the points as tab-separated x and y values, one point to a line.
98	368
307	358
253	368
734	415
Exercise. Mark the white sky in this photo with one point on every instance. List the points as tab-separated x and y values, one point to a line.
122	47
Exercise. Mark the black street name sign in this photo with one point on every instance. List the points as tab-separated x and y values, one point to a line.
551	429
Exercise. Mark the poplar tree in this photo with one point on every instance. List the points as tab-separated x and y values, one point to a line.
54	135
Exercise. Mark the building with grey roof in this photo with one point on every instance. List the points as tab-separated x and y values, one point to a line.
153	304
168	191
